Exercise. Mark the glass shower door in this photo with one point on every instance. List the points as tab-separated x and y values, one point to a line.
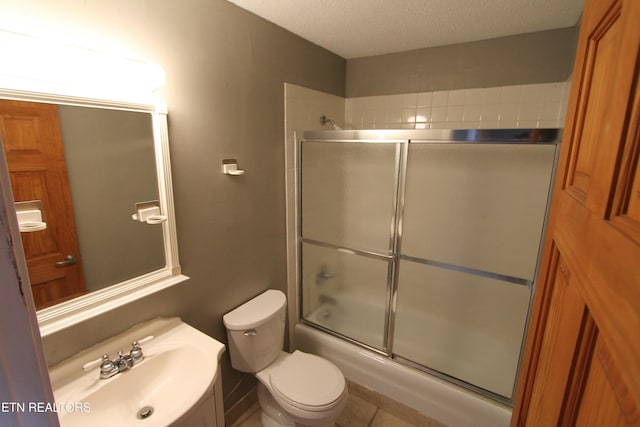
348	200
471	231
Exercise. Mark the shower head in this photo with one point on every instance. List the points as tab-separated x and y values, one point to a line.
324	120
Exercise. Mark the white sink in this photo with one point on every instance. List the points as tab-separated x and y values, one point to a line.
178	372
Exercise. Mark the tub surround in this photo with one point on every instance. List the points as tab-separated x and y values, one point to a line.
538	105
492	368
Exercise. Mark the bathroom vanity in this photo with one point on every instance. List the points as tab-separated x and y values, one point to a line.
175	381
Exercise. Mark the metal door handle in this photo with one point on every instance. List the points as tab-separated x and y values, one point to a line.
69	260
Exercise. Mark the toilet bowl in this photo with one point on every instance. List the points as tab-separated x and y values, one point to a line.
297	389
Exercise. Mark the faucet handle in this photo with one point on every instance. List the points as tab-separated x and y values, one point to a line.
144	340
95	363
107	367
136	350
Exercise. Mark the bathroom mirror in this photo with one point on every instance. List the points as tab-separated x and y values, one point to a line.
116	157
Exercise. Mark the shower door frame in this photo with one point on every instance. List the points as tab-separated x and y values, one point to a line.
403	139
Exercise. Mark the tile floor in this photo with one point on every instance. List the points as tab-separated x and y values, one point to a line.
364	408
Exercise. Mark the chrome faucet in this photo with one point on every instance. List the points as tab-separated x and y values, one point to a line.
124	362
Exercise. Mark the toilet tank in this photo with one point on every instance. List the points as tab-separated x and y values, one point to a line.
255	331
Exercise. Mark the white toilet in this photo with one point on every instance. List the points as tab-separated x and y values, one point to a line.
297	389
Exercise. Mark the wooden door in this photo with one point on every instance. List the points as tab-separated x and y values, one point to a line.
35	157
582	358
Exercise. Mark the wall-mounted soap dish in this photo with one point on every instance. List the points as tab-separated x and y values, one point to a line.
148	212
230	167
30	216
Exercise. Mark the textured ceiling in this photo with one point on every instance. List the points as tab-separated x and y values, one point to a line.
356	28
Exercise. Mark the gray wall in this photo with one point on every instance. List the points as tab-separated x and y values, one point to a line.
541	57
225	73
110	160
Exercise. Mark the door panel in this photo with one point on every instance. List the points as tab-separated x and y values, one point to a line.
605	400
625	214
564	320
602	49
492	200
467	326
348	193
582	359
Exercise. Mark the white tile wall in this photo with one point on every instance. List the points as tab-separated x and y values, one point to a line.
304	107
540	105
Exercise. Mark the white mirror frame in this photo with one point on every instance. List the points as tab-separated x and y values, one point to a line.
68	313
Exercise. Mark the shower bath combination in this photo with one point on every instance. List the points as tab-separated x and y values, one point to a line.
421	246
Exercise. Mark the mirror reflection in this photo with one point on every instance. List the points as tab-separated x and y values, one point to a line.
88	167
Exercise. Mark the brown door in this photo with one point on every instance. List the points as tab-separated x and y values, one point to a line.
582	359
35	156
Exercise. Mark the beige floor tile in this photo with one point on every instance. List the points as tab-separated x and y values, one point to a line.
357	413
364	408
399	410
385	419
252	420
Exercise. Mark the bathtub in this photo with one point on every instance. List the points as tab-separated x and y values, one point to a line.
429	395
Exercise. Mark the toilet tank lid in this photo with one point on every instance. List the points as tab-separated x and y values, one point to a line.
255	311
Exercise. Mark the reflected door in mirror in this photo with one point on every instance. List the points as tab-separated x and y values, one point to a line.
33	145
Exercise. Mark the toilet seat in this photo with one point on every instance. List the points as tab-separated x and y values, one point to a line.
307	382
